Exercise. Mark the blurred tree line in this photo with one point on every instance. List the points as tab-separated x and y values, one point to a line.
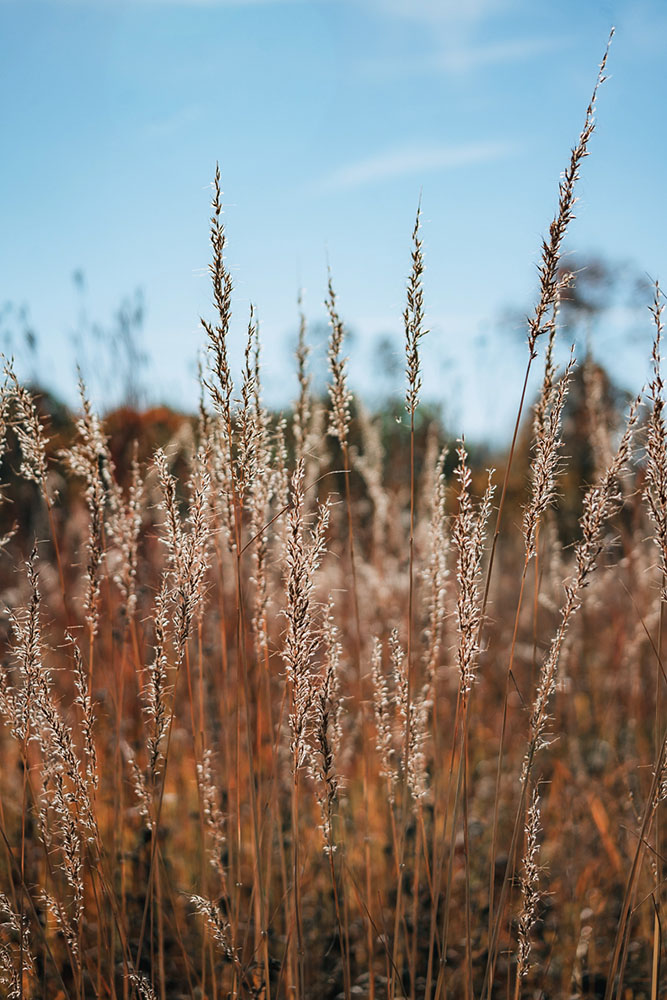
113	363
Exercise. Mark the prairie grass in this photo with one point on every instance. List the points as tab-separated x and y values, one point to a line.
278	722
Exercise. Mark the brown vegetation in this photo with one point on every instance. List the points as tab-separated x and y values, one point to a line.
283	718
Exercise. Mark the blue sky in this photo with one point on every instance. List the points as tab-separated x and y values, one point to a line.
328	118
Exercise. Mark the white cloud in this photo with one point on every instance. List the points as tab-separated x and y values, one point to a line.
459	59
412	160
450	14
472	57
455	36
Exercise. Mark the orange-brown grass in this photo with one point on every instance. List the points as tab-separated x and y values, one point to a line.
277	721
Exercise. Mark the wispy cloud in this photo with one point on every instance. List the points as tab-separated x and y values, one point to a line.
464	58
456	36
412	161
451	14
474	57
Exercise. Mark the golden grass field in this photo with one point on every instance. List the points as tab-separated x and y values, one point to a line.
304	706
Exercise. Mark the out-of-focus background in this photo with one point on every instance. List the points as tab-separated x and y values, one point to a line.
328	119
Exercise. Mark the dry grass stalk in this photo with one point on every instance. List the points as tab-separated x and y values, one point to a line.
382	707
187	550
413	715
436	573
468	536
655	490
529	882
248	427
122	529
600	502
550	278
544	466
157	688
302	641
221	390
540	410
215	820
414	711
413	321
262	491
340	395
142	986
17	701
29	430
217	924
303	635
327	730
84	701
16	964
552	282
219	384
304	404
89	458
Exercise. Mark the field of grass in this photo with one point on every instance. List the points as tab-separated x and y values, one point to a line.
313	707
